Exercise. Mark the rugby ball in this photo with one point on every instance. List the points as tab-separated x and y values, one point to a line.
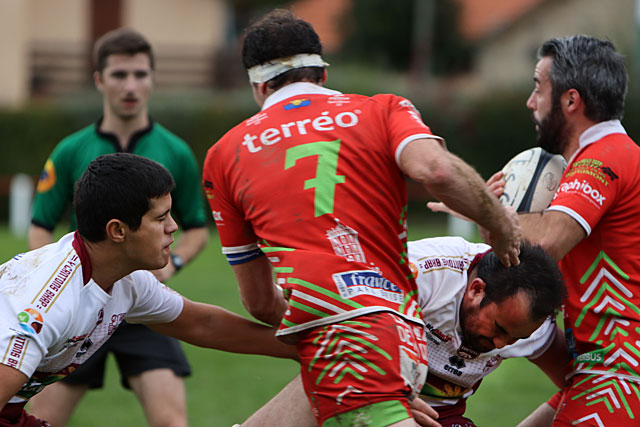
532	178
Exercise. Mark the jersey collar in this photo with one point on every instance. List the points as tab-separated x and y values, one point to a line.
596	133
295	89
85	260
599	131
113	139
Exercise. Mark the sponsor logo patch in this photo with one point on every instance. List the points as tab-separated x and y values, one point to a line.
583	187
297	103
351	284
30	320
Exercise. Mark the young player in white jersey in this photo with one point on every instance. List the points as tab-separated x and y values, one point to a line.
477	313
59	303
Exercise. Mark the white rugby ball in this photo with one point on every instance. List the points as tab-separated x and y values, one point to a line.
532	178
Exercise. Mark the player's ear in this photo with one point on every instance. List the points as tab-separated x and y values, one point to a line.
324	75
116	230
476	290
571	100
97	80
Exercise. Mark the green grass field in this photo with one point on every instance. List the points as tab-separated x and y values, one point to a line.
225	388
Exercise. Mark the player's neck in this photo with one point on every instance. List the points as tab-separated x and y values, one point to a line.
106	264
123	129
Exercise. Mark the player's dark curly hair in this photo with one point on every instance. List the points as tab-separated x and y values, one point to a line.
123	41
118	186
537	275
593	68
279	34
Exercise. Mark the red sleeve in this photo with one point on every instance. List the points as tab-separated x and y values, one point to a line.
590	185
235	233
404	123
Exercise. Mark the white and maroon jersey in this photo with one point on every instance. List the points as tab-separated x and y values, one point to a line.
600	189
313	179
441	266
53	316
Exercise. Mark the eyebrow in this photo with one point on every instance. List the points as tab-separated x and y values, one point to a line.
164	213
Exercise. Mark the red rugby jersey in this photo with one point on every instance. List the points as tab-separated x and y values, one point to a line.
314	180
601	190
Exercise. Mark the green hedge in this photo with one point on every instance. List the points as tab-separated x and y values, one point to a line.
486	133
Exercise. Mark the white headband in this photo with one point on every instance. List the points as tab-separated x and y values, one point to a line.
273	68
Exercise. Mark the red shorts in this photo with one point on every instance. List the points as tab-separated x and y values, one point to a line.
365	368
14	415
599	400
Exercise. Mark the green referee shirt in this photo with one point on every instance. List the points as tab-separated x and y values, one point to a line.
72	156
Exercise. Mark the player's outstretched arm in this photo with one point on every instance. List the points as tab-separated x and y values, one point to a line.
210	326
455	183
11	380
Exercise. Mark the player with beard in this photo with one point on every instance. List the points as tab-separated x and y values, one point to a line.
477	313
592	228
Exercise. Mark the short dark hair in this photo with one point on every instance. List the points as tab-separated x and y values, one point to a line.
279	34
118	186
537	275
124	41
593	68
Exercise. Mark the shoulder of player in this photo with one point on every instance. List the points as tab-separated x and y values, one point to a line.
160	132
615	155
75	140
448	246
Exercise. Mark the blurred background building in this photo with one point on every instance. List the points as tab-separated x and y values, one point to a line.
46	44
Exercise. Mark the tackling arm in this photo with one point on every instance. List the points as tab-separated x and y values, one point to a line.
11	380
210	326
455	183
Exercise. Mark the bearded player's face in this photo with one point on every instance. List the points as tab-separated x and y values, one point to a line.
551	125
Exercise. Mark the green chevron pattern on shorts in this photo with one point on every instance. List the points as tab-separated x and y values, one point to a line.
341	338
348	322
609	390
324	292
283	269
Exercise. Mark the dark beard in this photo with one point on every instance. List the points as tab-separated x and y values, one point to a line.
552	130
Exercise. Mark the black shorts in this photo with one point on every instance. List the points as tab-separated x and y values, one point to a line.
137	349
